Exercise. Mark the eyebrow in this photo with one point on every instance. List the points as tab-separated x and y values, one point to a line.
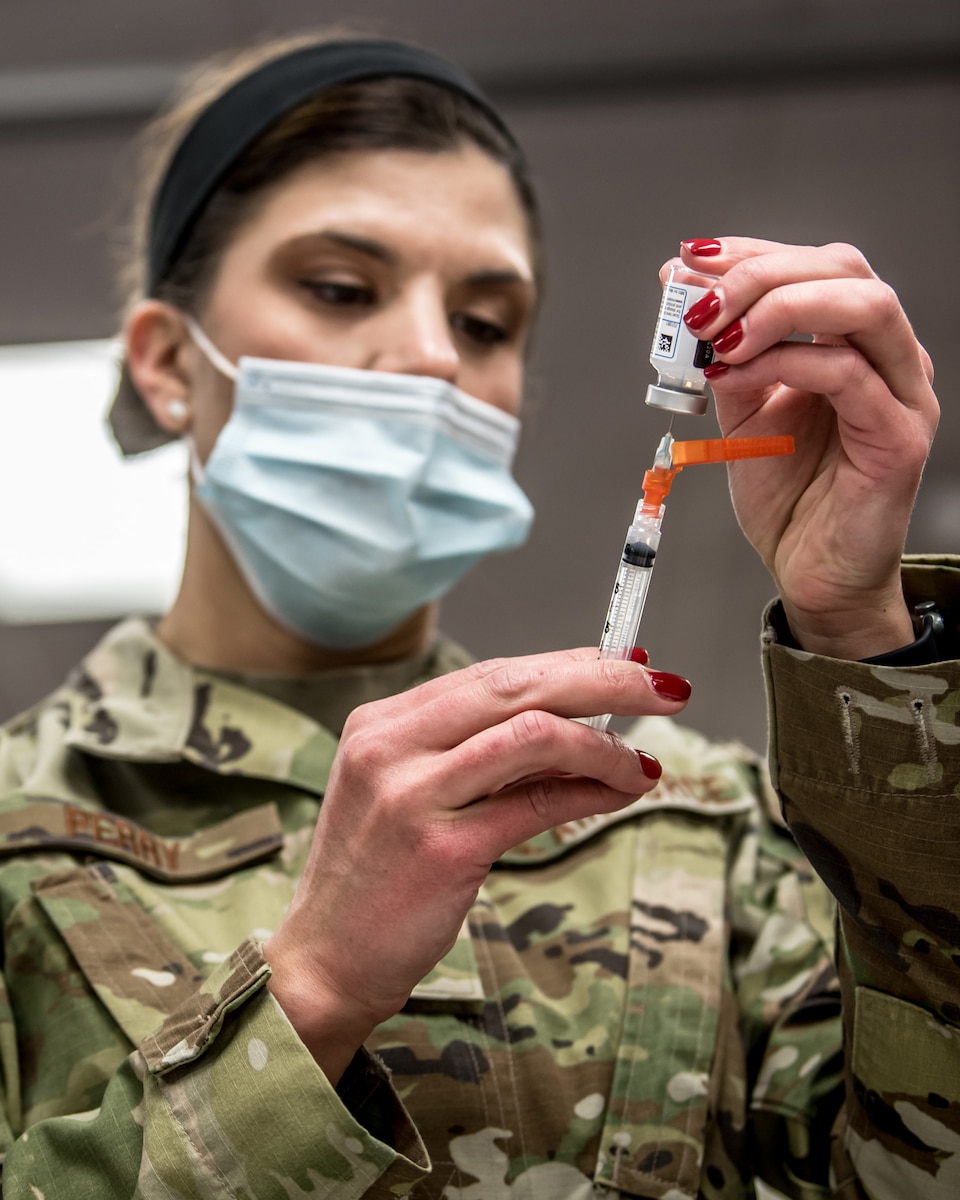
371	248
368	246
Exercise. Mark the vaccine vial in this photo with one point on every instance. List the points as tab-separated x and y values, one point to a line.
677	355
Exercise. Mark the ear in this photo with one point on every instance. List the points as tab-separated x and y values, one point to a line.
157	352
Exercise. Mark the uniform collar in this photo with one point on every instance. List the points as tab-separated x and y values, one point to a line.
132	699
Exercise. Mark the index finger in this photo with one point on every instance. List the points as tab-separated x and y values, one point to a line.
715	256
401	703
565	684
570	683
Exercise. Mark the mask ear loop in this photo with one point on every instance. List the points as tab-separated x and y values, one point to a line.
219	362
216	359
194	465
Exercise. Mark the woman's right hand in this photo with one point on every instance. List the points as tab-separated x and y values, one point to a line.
428	789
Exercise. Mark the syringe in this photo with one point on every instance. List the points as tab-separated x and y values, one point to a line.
636	566
643	537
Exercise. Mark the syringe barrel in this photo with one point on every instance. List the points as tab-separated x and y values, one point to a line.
630	590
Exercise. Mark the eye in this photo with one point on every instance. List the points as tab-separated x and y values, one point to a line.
479	330
338	294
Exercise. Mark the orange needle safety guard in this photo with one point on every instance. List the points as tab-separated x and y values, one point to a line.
643	537
658	480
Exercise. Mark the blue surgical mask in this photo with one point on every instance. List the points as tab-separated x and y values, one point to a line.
349	498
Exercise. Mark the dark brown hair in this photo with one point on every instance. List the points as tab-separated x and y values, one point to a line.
378	114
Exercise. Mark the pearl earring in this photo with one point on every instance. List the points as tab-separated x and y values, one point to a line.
177	410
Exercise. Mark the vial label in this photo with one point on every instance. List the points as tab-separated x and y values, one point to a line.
673	343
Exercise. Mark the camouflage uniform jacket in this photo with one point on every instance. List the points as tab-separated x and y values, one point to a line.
644	1004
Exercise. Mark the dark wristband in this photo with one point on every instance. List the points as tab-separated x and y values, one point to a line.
921	653
926	650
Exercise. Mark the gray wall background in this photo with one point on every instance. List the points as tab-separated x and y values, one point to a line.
787	119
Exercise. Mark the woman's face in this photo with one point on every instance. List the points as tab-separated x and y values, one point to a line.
381	260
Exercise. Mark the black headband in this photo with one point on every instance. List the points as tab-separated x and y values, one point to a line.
225	129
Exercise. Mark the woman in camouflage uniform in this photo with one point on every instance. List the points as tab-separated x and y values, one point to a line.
301	902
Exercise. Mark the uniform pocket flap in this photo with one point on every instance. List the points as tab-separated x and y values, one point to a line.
137	972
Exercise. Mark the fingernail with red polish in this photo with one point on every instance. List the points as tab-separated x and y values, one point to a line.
639	655
729	338
715	370
703	312
670	687
649	765
704	247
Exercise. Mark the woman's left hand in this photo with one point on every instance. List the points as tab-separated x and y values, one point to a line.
829	522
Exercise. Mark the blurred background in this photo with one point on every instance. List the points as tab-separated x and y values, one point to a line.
793	120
